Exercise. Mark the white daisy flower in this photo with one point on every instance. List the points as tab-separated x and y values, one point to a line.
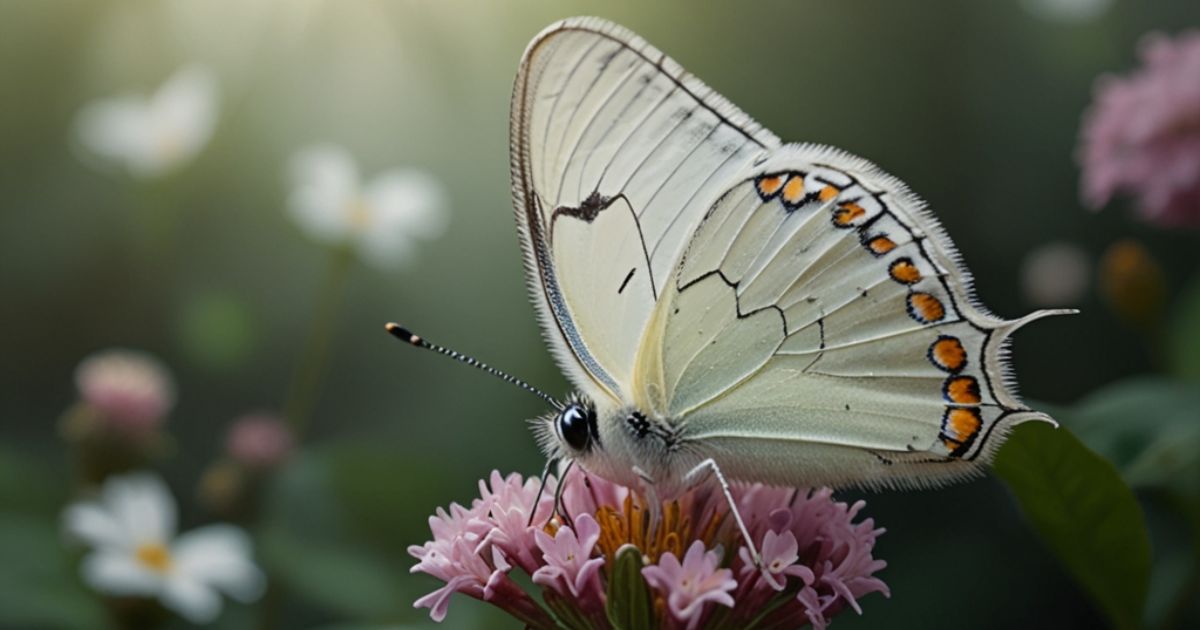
384	217
152	135
135	552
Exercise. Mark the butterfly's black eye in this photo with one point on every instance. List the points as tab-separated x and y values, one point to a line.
573	427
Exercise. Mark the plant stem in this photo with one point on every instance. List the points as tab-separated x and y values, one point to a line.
305	386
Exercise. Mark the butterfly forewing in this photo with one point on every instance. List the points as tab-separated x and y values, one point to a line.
617	153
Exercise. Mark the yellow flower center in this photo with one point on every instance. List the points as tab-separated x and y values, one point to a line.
672	531
169	145
359	213
154	556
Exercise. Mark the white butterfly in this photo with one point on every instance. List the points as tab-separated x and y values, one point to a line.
786	314
729	305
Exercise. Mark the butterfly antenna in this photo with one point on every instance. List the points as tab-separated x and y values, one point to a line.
404	334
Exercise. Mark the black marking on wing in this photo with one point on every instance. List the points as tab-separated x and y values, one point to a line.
736	300
883	460
586	211
625	282
590	208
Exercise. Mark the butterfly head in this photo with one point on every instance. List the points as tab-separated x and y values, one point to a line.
571	431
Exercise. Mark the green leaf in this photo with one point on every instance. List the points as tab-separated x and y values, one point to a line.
38	584
565	611
1183	334
629	603
28	484
216	331
1082	509
1147	427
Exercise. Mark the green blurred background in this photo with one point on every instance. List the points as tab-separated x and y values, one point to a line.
976	105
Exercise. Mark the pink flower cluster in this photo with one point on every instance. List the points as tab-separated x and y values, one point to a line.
816	561
129	391
1142	134
260	440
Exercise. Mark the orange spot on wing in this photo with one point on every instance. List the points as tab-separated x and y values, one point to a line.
962	423
881	245
904	271
827	193
846	215
768	186
925	308
948	354
793	190
963	389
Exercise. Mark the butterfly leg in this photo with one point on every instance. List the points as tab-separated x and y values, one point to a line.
709	466
653	504
550	465
559	508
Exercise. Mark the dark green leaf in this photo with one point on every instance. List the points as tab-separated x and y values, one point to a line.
565	611
1148	427
629	603
38	584
28	484
1086	514
1183	334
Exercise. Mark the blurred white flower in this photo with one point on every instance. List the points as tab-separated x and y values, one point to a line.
384	217
152	135
1055	274
135	552
1066	11
128	390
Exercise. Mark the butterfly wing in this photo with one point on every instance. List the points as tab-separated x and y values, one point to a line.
616	155
821	326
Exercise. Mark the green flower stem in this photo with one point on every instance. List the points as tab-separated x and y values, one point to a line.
305	385
155	218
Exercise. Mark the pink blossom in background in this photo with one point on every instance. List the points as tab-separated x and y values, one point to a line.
259	440
697	570
128	391
1141	137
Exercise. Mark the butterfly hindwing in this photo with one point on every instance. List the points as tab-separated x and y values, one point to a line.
616	155
821	326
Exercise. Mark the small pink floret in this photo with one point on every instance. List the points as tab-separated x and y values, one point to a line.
693	583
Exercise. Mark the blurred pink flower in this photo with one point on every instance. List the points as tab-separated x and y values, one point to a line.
259	441
693	583
128	391
1142	134
820	561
